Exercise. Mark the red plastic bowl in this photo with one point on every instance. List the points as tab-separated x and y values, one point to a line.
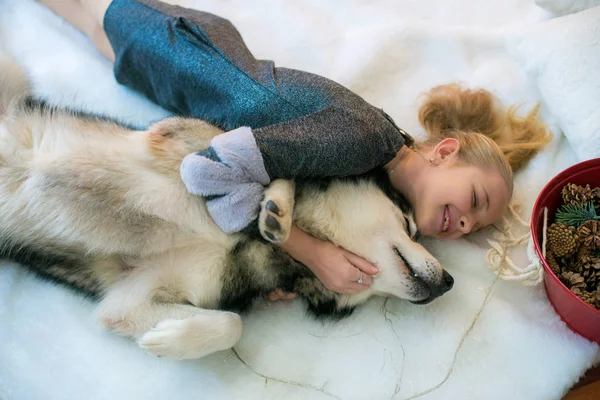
579	316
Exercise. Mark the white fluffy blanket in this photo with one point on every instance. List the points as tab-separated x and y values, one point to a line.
486	339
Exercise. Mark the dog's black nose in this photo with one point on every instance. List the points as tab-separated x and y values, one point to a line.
448	280
439	289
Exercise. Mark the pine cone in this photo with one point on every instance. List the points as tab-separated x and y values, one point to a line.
588	297
578	292
573	280
591	297
552	263
593	280
596	193
587	262
577	195
589	233
562	239
584	251
589	268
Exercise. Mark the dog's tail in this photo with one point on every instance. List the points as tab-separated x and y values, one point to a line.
14	85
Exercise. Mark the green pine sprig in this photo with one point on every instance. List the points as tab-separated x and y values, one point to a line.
576	215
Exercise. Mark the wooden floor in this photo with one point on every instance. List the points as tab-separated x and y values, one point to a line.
588	388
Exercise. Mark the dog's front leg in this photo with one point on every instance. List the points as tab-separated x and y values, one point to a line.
142	308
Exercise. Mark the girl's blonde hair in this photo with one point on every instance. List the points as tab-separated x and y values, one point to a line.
489	138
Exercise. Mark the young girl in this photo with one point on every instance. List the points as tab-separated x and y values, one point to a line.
285	123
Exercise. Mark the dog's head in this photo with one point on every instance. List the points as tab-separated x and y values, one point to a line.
407	270
367	222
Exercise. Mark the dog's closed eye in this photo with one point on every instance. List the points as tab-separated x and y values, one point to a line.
411	228
407	268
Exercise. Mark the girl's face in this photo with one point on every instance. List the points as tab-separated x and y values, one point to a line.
453	199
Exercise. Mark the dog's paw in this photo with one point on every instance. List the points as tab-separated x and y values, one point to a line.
194	337
274	220
276	211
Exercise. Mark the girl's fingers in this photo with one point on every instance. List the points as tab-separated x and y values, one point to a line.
362	264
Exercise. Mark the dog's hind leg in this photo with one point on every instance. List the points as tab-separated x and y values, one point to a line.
155	317
171	139
276	211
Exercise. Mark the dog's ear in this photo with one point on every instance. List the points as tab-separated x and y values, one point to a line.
380	176
403	204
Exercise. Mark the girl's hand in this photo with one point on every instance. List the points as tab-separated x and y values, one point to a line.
338	269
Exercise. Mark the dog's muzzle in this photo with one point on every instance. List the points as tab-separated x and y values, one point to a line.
438	290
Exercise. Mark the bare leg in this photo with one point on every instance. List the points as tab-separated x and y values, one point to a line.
87	16
96	8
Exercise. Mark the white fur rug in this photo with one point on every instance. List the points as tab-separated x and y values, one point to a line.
486	339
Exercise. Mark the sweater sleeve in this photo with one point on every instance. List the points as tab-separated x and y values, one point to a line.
329	143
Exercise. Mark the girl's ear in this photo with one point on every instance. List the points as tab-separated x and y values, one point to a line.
446	148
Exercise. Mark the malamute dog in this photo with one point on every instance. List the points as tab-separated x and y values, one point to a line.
101	207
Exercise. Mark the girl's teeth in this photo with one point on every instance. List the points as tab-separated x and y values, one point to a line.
446	221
